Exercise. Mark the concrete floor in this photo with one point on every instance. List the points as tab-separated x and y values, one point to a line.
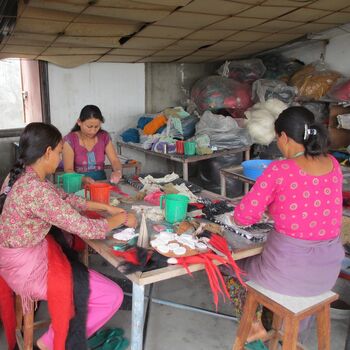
171	328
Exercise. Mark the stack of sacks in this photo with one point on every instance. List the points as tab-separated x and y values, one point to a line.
261	119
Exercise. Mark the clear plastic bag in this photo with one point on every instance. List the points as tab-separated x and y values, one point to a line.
244	71
279	67
223	132
215	92
265	89
319	109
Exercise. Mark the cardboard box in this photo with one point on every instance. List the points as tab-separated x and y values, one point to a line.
339	137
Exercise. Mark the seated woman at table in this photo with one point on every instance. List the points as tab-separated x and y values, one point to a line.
303	195
85	147
31	263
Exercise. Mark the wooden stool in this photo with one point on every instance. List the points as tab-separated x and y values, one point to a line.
25	325
289	311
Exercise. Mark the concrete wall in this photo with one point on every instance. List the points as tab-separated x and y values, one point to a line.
7	156
169	84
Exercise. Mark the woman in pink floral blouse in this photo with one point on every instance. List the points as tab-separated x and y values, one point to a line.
29	206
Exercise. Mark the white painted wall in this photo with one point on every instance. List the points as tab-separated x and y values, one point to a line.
117	89
336	53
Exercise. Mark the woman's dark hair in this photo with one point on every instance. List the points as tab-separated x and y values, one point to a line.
89	112
299	124
33	143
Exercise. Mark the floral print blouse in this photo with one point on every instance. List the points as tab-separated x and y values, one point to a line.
32	206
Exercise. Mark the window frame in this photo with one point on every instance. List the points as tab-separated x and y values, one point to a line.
45	101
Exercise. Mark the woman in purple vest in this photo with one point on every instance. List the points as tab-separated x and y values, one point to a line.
86	146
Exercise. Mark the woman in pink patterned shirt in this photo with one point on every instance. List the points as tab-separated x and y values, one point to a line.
29	206
303	196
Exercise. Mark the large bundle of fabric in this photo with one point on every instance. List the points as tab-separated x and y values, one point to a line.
244	71
314	80
340	91
215	92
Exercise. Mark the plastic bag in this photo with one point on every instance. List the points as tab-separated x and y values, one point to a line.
203	145
244	71
319	109
223	132
164	145
181	129
340	91
314	80
265	89
214	92
279	67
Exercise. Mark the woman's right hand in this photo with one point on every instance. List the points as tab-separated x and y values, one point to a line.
124	218
86	180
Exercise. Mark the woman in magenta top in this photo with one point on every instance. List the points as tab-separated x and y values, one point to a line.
303	195
86	146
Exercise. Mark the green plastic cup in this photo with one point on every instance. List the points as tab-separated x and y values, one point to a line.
71	182
175	206
190	148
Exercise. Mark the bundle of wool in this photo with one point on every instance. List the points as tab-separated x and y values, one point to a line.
131	135
153	126
261	119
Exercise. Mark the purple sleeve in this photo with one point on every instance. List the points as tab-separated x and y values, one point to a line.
253	205
69	138
105	137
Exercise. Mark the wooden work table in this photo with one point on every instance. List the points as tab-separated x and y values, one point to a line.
242	248
180	158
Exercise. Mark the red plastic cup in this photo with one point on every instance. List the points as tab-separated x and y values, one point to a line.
180	147
99	192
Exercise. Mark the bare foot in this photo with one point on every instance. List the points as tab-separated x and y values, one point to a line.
257	331
41	345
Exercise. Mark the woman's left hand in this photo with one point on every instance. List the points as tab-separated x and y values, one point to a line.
116	176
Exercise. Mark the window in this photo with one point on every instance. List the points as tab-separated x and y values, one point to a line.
24	94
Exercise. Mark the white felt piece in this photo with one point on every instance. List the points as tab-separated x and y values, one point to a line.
163	249
173	246
180	251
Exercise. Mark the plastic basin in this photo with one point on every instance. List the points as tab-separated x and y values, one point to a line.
255	167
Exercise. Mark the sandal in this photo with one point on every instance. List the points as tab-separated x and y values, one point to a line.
102	335
115	343
256	345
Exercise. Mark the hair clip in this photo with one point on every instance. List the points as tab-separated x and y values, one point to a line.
308	132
